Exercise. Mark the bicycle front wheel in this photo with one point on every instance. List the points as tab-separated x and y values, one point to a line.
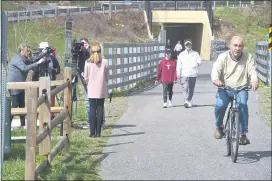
234	135
227	134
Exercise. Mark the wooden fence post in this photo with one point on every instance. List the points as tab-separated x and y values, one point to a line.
30	163
45	115
68	104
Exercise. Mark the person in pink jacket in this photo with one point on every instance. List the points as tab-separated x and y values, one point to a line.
96	75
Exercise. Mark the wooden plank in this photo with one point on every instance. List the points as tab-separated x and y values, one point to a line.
57	82
57	120
30	158
59	146
18	139
44	115
25	85
68	102
23	111
22	85
59	88
41	167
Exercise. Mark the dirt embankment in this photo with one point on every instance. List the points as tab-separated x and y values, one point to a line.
126	26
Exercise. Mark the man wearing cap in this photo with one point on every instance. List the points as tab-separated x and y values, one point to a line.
53	69
53	66
19	67
187	64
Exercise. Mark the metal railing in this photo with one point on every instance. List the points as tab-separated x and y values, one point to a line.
17	16
263	62
130	63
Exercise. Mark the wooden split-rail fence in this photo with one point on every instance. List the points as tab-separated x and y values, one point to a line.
39	108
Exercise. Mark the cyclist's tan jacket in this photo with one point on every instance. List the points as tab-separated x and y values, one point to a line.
234	73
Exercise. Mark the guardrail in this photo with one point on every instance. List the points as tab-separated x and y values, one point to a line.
263	62
17	16
130	63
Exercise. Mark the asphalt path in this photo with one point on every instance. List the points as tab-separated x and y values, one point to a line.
150	142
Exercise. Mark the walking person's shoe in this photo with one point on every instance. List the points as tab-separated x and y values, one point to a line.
219	133
92	135
186	104
104	126
165	105
244	140
170	103
190	104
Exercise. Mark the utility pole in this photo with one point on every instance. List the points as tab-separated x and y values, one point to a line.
110	9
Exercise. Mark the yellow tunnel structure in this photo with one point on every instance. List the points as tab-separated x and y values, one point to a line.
180	25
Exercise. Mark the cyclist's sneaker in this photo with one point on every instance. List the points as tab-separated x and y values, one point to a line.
164	105
218	133
186	104
244	140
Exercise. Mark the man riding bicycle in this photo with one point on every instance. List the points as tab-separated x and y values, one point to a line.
233	68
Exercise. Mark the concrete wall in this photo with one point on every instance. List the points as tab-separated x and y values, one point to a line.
189	17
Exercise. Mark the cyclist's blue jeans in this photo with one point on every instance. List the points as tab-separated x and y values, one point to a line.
88	108
222	102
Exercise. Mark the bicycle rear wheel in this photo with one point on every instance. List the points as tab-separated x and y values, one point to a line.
234	135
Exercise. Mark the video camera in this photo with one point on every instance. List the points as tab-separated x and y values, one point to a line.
78	56
43	68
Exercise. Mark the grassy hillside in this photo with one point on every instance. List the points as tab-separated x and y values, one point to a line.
251	24
95	27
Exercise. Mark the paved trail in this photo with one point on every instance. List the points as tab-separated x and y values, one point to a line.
150	142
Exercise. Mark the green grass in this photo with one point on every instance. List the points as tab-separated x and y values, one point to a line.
81	161
10	6
265	103
251	24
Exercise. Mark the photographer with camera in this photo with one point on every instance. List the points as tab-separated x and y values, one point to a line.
84	57
50	67
19	67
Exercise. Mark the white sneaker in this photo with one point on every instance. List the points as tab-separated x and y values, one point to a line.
170	104
190	104
186	104
164	105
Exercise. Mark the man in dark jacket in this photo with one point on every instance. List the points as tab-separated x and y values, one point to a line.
18	70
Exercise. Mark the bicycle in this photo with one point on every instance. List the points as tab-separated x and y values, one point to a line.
232	123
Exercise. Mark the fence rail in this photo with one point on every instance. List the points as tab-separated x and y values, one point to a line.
40	107
263	62
17	16
130	63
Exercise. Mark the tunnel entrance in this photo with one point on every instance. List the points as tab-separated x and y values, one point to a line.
179	32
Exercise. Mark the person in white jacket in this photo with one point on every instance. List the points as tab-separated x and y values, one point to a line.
178	48
187	63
